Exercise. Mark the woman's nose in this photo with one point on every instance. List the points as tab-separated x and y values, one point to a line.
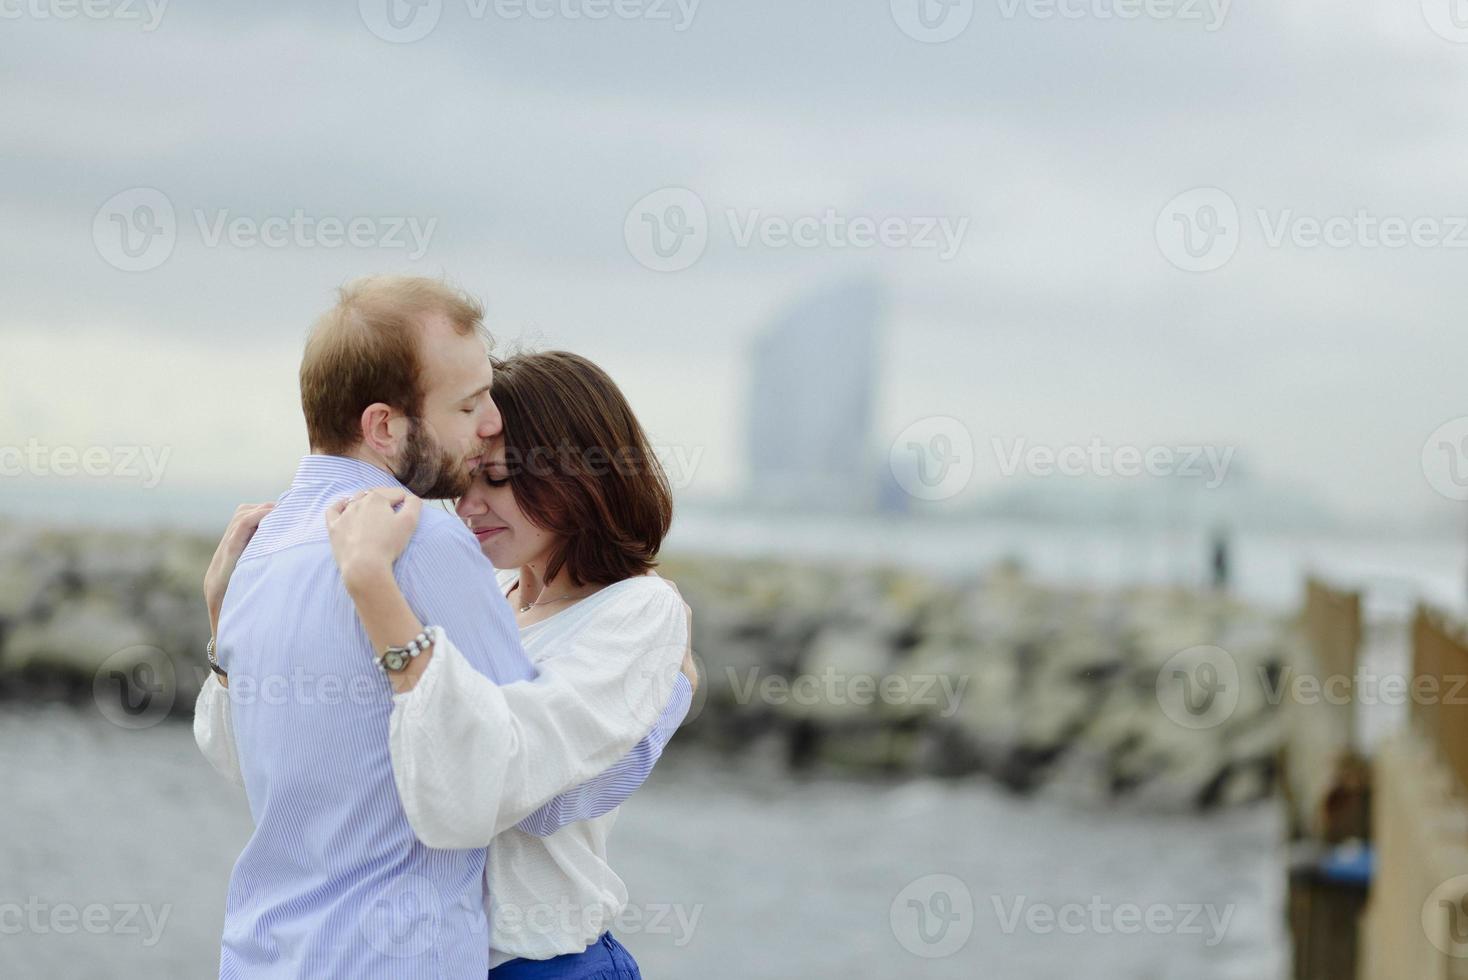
469	506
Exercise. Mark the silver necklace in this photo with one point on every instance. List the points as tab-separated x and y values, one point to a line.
543	602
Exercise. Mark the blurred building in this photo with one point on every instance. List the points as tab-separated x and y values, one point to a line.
811	402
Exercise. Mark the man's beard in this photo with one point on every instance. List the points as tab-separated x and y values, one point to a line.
427	470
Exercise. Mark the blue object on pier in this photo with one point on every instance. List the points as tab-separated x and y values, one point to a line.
1348	864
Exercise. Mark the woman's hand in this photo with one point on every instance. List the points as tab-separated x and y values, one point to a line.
247	518
368	534
689	668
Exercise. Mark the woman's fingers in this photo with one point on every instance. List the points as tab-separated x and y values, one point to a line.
412	507
393	495
335	511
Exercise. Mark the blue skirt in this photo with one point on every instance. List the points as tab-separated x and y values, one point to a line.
606	959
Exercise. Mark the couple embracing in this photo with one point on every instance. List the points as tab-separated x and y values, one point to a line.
436	714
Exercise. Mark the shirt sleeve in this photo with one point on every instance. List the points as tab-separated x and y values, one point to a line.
213	733
473	758
603	794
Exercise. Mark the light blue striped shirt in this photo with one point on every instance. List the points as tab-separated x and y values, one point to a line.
332	882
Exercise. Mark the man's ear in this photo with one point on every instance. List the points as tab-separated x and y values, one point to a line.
384	429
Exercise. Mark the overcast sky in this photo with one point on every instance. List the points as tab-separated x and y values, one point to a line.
522	150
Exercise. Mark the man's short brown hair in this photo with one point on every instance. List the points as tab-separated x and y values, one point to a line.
365	350
580	466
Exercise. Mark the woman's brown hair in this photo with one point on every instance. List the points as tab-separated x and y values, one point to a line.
580	466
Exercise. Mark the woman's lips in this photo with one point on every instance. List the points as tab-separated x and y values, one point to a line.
484	532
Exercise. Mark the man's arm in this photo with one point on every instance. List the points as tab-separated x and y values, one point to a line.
603	794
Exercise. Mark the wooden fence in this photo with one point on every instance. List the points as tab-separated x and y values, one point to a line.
1416	921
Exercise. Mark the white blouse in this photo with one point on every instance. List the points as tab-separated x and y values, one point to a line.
472	758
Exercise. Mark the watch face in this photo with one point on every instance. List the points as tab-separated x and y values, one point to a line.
395	660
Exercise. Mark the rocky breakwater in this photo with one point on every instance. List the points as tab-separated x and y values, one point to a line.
1155	696
1159	697
114	619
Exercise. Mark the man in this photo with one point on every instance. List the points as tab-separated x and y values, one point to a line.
332	883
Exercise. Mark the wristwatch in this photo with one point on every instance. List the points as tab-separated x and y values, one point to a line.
214	659
395	659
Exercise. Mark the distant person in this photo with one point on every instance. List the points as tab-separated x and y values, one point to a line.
1220	555
366	699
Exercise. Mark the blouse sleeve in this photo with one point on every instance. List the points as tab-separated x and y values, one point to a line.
472	758
213	731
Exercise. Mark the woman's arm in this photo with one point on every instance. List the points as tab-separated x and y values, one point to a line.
237	535
368	533
388	619
472	757
213	733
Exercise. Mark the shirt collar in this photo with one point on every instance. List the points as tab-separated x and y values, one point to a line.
341	471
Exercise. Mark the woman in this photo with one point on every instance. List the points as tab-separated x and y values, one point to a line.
572	506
